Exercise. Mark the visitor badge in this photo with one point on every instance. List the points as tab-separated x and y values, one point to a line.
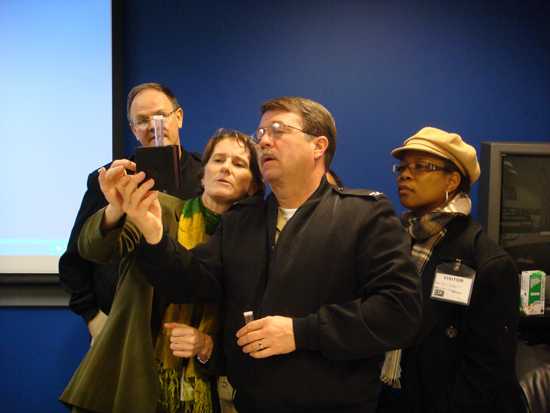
453	283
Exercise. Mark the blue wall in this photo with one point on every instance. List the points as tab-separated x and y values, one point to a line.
39	351
384	69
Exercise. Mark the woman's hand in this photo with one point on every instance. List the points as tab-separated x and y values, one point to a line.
108	181
142	206
109	178
187	341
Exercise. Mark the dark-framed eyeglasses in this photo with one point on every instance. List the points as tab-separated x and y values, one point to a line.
417	168
142	123
276	130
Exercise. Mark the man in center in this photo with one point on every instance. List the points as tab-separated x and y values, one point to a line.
325	270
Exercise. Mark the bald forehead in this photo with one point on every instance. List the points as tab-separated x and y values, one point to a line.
150	100
150	94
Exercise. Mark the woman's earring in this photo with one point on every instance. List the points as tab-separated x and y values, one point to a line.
446	196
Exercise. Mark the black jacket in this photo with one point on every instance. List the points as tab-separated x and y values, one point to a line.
464	357
92	286
341	269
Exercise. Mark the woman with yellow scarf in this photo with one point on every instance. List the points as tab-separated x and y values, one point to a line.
152	354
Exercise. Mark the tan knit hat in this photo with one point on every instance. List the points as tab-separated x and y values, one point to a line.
446	145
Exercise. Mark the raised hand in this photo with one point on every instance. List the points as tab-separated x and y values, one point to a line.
141	205
108	181
109	178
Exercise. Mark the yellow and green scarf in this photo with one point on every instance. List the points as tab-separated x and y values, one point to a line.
182	388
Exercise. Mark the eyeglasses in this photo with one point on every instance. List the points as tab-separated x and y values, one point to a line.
417	168
142	123
276	130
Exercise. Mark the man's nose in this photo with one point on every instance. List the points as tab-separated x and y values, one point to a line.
266	140
150	124
156	119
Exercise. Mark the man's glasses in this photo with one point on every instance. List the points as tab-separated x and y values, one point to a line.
276	130
417	168
142	123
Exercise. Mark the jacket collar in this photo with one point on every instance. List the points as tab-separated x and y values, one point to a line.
303	210
313	199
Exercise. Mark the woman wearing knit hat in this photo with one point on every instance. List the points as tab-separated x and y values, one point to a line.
463	359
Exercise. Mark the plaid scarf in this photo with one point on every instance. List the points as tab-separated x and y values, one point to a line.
182	388
426	232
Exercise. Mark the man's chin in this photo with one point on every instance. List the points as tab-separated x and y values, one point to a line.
270	176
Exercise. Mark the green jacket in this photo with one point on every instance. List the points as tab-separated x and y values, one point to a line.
118	373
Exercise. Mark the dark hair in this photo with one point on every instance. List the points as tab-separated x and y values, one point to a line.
464	185
243	139
144	86
316	118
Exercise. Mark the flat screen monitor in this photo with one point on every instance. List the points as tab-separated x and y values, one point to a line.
514	208
514	195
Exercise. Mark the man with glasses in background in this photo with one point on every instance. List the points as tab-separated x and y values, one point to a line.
322	274
92	286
